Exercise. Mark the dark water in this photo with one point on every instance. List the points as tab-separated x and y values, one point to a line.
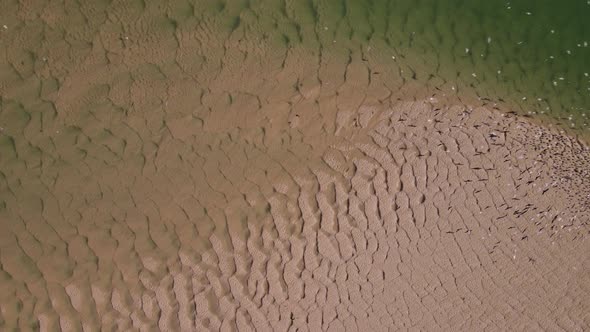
528	51
534	53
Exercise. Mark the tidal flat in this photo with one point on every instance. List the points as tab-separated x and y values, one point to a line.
294	165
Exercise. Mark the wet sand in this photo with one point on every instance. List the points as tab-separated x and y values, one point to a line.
156	179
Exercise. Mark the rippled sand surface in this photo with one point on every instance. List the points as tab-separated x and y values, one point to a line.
236	166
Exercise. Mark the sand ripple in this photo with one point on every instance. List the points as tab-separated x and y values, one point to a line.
182	172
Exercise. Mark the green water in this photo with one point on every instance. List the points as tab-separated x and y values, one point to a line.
533	53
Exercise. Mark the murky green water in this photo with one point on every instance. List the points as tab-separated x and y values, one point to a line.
534	53
531	52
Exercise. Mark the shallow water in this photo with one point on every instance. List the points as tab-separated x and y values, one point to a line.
534	53
191	164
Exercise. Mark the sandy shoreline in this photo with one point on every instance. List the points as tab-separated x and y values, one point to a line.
151	183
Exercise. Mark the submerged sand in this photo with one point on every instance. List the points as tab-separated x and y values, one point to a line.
403	214
265	188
